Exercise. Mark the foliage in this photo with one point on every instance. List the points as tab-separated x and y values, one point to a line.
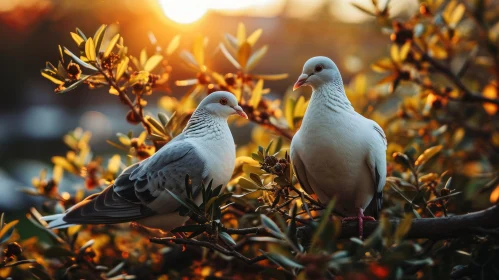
442	73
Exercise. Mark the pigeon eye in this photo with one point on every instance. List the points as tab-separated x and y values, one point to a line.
319	67
223	101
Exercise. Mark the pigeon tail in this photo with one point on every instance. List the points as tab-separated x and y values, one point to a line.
56	221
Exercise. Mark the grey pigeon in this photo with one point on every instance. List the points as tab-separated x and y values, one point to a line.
338	152
205	151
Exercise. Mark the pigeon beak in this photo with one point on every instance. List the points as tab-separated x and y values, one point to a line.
301	81
238	110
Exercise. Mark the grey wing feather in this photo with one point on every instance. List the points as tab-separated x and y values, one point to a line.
376	162
300	171
139	191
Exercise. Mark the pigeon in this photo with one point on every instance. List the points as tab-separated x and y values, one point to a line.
205	151
337	152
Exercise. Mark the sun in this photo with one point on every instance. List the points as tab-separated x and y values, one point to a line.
184	11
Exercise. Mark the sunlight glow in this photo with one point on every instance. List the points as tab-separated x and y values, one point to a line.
184	11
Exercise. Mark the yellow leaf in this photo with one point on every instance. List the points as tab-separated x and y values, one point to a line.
243	54
256	94
403	228
405	50
174	43
229	56
57	173
218	78
490	91
457	15
383	65
394	52
494	196
124	139
142	138
77	38
153	62
113	164
428	154
256	57
90	49
241	33
299	110
113	91
198	50
111	45
120	70
73	230
273	77
288	112
52	79
253	38
143	58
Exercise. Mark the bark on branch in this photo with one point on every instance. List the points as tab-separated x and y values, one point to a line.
429	228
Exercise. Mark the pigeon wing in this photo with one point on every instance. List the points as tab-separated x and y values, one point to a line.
140	190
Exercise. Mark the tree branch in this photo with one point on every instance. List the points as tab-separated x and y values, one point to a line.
429	228
468	95
209	245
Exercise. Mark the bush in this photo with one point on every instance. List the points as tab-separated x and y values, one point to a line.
442	73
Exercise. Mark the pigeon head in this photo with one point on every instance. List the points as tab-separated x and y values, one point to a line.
223	104
317	71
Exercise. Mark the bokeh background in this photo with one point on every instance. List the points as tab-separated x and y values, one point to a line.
33	118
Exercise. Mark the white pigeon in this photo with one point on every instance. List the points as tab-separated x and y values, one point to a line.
338	152
205	151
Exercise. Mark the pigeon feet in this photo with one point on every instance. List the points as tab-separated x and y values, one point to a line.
360	218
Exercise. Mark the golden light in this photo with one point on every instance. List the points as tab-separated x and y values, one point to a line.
184	11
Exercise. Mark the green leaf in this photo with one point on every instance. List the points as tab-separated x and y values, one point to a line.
225	236
256	179
268	148
257	157
163	118
271	227
74	85
444	197
283	261
217	190
78	60
185	204
323	222
111	45
82	35
247	184
291	232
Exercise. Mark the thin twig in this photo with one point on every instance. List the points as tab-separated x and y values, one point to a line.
124	97
209	245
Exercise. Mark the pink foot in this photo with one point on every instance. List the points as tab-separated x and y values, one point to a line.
360	218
